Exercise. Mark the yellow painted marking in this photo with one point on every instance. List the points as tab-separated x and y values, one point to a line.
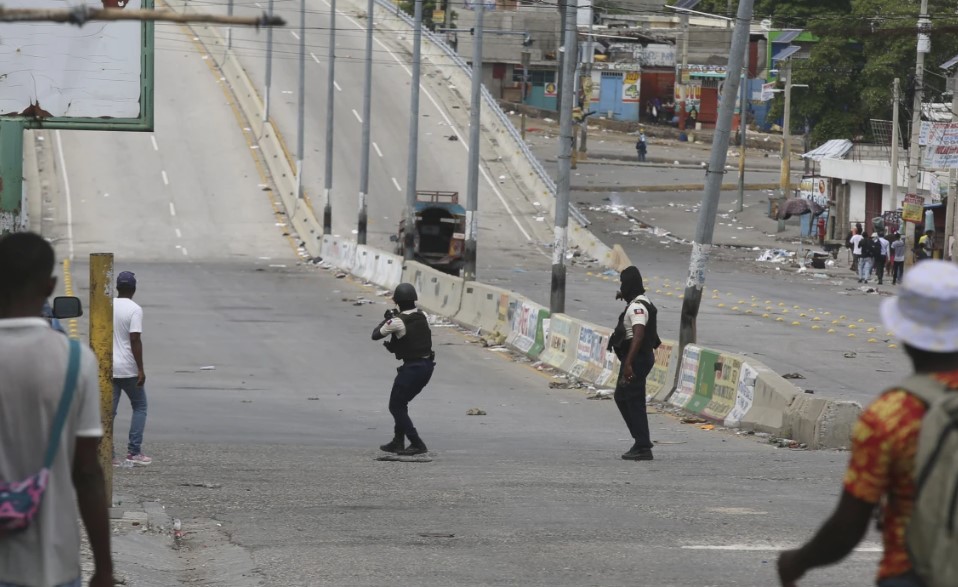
851	335
828	313
831	331
721	305
735	308
852	326
796	323
872	329
803	315
816	327
860	320
893	346
780	319
842	317
816	319
872	340
73	328
764	315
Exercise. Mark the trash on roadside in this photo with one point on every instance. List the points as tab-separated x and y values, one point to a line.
208	368
793	376
692	420
775	256
850	355
475	412
707	427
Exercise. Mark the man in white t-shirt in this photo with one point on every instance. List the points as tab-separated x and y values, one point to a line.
856	241
33	365
128	374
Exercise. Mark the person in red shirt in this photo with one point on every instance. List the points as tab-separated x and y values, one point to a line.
881	470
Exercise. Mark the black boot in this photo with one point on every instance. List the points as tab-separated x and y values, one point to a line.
416	447
396	445
638	453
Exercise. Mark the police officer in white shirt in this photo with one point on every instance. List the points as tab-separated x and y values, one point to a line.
634	341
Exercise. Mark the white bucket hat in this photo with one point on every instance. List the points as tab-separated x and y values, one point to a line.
925	313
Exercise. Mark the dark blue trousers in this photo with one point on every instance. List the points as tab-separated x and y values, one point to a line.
411	378
630	399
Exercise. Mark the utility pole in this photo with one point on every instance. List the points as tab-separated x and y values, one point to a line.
229	29
680	78
412	153
367	108
561	243
101	342
563	17
269	66
743	110
951	209
702	245
330	100
785	179
301	124
587	96
472	189
914	151
896	98
526	60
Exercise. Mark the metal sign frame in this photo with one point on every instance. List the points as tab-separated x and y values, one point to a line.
143	123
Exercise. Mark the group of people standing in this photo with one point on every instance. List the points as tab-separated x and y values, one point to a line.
877	253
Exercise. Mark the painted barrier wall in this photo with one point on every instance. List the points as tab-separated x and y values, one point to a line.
561	345
526	325
439	293
387	270
480	307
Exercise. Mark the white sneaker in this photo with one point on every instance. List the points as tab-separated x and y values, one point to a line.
140	460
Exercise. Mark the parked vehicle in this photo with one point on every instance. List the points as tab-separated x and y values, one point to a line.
439	233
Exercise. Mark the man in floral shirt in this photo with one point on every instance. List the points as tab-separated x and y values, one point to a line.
885	439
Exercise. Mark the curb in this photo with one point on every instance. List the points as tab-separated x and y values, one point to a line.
678	187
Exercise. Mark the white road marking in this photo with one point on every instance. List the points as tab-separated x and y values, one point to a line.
446	118
358	117
155	146
66	193
295	36
396	183
106	195
336	85
184	251
378	152
166	180
313	55
178	233
172	209
258	5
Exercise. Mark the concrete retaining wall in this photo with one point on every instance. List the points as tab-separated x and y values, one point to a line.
480	308
439	293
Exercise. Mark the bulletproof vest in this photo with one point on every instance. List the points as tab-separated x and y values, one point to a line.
417	342
619	344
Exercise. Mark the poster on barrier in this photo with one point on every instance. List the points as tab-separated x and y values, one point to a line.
560	330
687	375
704	381
724	388
744	396
526	320
659	375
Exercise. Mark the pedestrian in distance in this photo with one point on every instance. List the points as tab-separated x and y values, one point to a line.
49	403
411	341
870	250
904	446
926	245
898	257
855	242
128	374
641	147
634	341
882	259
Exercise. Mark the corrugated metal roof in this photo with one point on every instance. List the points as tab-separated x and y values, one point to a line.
950	63
833	149
686	4
786	52
787	36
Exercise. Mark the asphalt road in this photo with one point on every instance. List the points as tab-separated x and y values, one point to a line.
267	393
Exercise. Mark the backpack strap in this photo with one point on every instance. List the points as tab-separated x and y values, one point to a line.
925	387
66	398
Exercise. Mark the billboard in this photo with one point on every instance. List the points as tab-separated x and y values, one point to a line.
815	189
99	75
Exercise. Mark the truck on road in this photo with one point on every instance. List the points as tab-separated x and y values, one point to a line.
439	231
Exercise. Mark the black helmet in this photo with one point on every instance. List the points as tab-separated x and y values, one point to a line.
405	292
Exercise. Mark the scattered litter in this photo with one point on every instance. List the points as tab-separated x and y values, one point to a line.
359	301
565	385
850	355
601	394
793	376
208	368
475	412
312	399
498	349
340	275
203	485
775	256
707	427
692	420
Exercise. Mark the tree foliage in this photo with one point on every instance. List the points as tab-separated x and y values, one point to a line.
863	45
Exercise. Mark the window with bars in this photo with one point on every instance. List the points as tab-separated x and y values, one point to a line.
537	77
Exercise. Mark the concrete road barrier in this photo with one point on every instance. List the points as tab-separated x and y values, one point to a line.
526	321
480	308
439	293
364	262
387	271
339	252
561	343
661	380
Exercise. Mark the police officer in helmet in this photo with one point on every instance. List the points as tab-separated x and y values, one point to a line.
411	341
